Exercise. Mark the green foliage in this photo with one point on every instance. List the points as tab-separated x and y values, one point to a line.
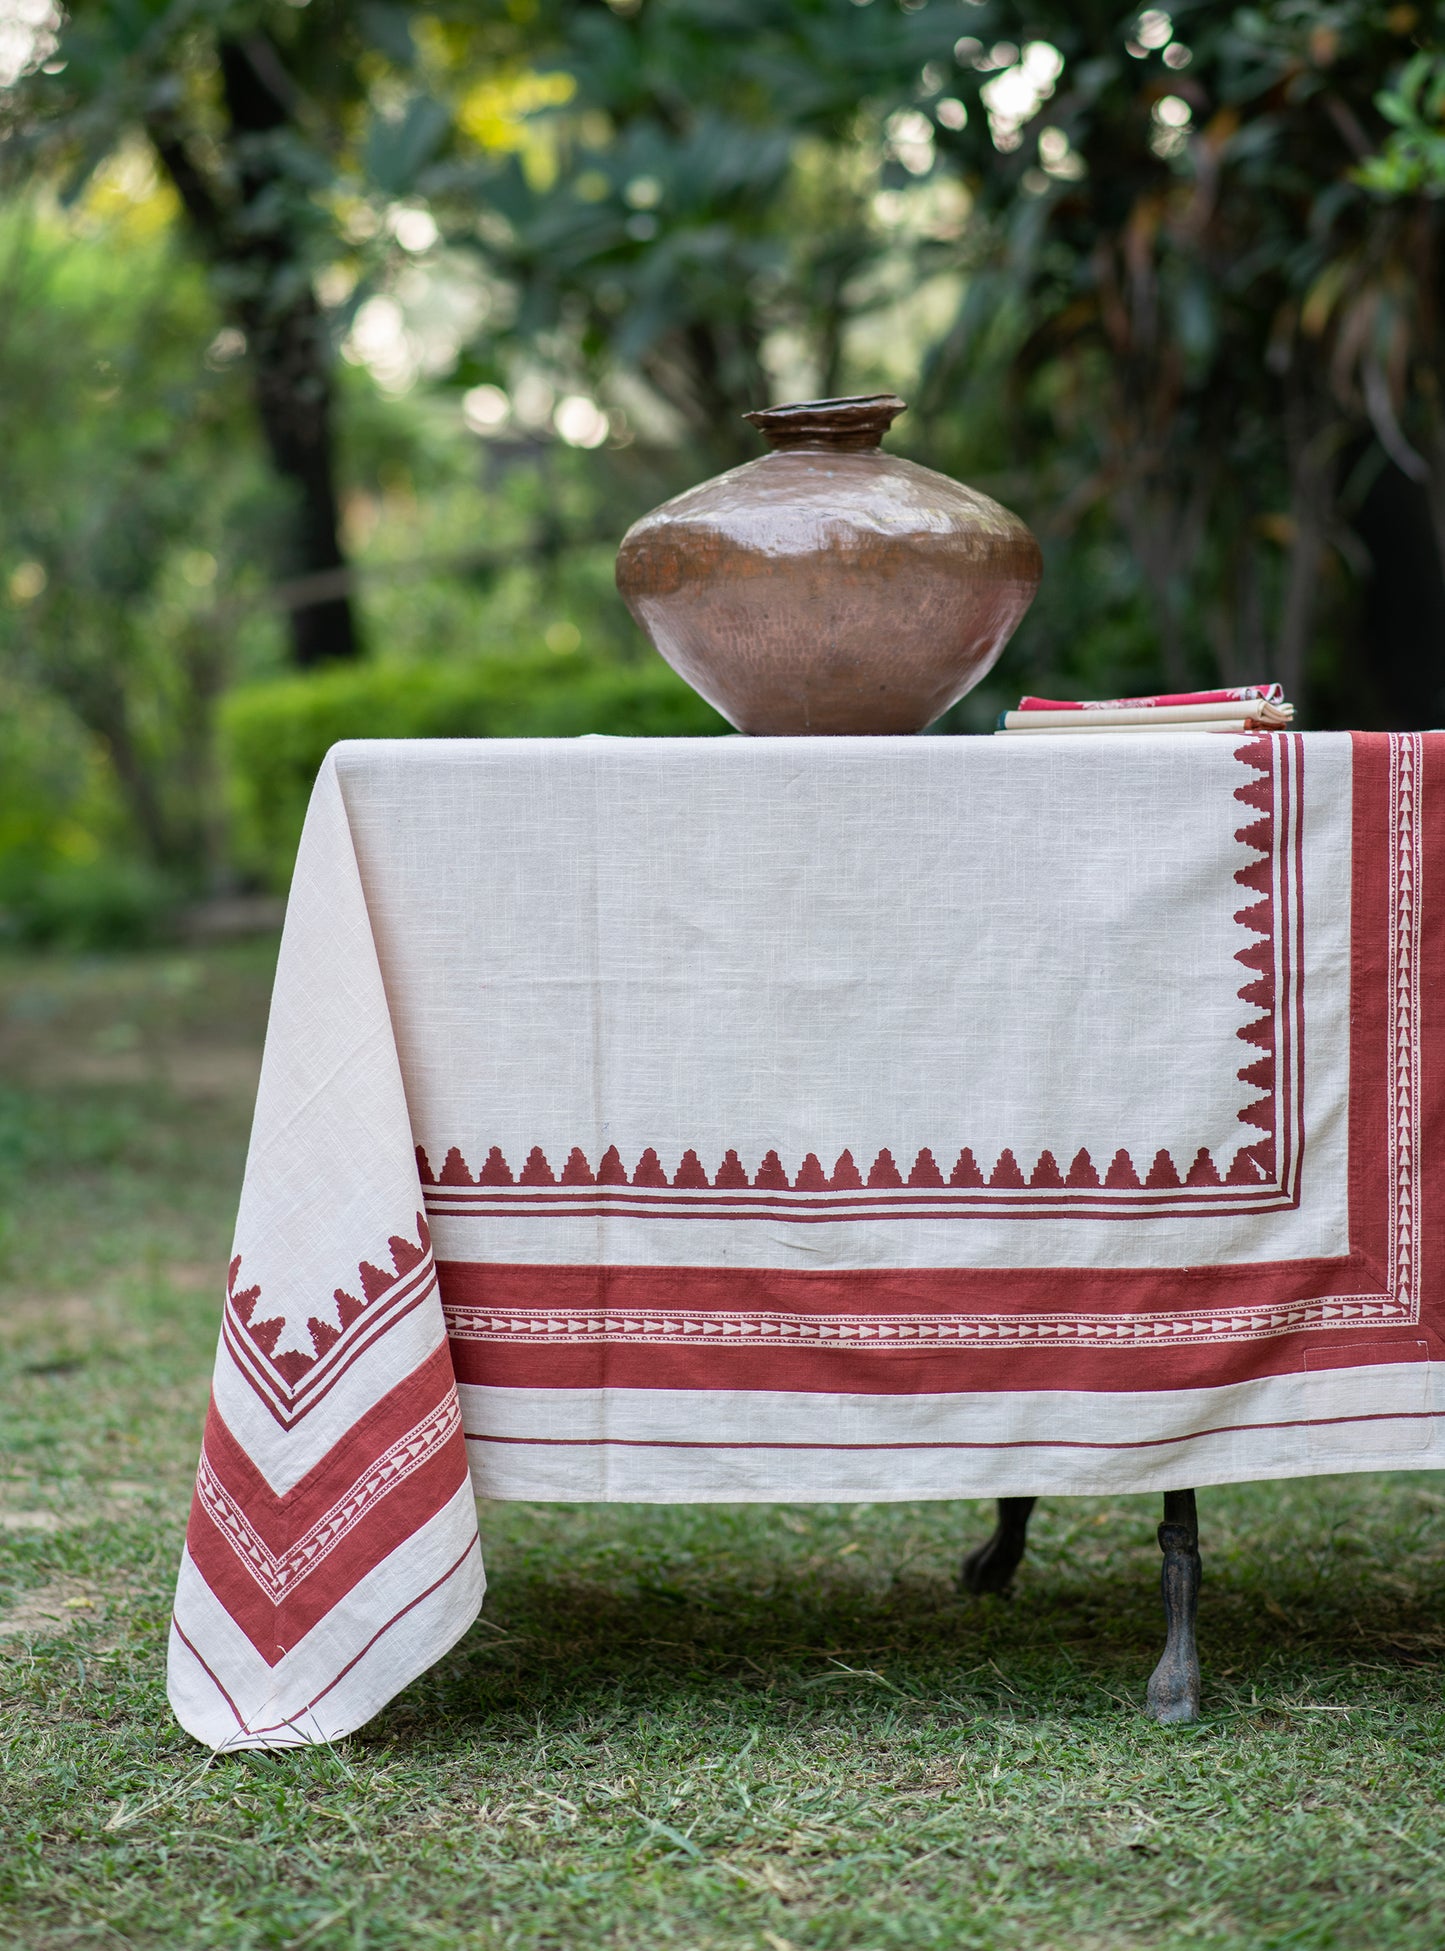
705	210
55	802
1188	306
67	874
276	734
1165	280
130	502
1413	157
109	902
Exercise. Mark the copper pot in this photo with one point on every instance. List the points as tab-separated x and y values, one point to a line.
828	586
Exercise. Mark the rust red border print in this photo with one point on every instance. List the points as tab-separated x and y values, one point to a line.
293	1381
1261	1174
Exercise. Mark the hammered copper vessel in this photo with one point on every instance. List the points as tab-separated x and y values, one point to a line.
828	586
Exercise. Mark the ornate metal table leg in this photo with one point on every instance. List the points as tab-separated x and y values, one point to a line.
990	1568
1174	1684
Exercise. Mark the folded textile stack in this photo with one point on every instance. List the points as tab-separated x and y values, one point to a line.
1244	708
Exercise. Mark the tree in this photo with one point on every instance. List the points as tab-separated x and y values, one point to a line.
1181	291
706	197
270	121
253	228
124	500
248	110
1207	309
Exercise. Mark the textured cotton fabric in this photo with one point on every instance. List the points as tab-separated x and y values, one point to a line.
787	1119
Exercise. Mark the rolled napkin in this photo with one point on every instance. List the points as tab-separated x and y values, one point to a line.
1252	707
1272	694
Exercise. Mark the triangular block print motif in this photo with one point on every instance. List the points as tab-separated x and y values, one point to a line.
410	1272
864	1177
1257	956
771	1175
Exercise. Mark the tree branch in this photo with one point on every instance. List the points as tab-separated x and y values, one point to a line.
208	214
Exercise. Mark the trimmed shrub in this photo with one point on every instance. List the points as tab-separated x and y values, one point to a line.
112	902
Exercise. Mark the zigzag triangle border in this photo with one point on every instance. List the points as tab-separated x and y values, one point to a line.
1253	1165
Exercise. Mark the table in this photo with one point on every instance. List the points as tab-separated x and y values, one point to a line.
812	1119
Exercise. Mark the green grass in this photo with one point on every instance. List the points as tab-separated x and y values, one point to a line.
731	1728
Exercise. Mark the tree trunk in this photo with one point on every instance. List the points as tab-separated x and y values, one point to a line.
286	338
291	386
98	697
251	235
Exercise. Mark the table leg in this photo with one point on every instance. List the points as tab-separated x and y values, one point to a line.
992	1565
1174	1684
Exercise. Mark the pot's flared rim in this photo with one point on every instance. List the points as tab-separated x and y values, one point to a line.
860	420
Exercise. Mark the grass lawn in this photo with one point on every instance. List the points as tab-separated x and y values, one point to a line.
760	1727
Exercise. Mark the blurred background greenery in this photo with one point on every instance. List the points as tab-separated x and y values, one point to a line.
340	341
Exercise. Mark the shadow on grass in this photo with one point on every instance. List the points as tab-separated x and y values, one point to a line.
613	1611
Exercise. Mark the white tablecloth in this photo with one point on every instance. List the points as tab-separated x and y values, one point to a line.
787	1119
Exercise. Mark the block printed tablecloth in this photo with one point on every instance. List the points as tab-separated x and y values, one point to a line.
849	1118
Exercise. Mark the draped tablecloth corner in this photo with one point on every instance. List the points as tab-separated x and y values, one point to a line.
797	1119
332	1551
